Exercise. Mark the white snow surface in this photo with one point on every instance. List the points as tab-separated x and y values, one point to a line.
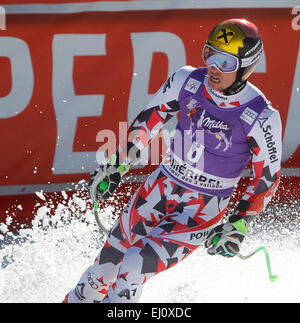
41	264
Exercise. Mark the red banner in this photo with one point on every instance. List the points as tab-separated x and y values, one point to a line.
67	76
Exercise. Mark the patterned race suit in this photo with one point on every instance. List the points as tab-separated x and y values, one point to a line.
174	210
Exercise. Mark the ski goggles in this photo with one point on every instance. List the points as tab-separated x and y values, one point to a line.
224	62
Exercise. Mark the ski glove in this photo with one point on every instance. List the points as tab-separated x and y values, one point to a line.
226	239
105	180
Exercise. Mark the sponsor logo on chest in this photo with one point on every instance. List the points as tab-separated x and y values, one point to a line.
192	85
203	120
249	116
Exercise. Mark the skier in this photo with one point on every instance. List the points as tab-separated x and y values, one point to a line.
223	123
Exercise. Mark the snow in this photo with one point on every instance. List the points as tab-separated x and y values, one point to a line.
41	195
43	263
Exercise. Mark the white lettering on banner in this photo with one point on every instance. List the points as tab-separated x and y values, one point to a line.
2	18
69	106
291	138
296	20
144	45
21	74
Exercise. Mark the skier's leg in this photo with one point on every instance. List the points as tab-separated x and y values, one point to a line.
130	227
95	281
167	244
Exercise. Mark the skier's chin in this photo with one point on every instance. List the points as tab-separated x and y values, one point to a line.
217	86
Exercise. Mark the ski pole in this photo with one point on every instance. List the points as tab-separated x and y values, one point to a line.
102	187
272	277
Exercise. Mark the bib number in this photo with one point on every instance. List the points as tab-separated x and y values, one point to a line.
195	152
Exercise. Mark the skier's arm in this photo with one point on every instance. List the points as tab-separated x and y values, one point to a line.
161	108
265	144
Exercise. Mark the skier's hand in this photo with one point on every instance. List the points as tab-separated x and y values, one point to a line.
226	239
105	180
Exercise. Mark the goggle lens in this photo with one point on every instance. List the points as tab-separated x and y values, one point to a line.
225	63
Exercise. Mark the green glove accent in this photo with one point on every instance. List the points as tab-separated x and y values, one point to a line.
241	225
123	169
103	186
215	240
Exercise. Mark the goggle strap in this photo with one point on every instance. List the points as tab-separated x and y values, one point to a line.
250	60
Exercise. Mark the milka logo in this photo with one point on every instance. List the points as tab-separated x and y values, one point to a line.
210	123
207	123
217	128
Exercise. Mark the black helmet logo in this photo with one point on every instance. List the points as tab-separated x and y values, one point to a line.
225	35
